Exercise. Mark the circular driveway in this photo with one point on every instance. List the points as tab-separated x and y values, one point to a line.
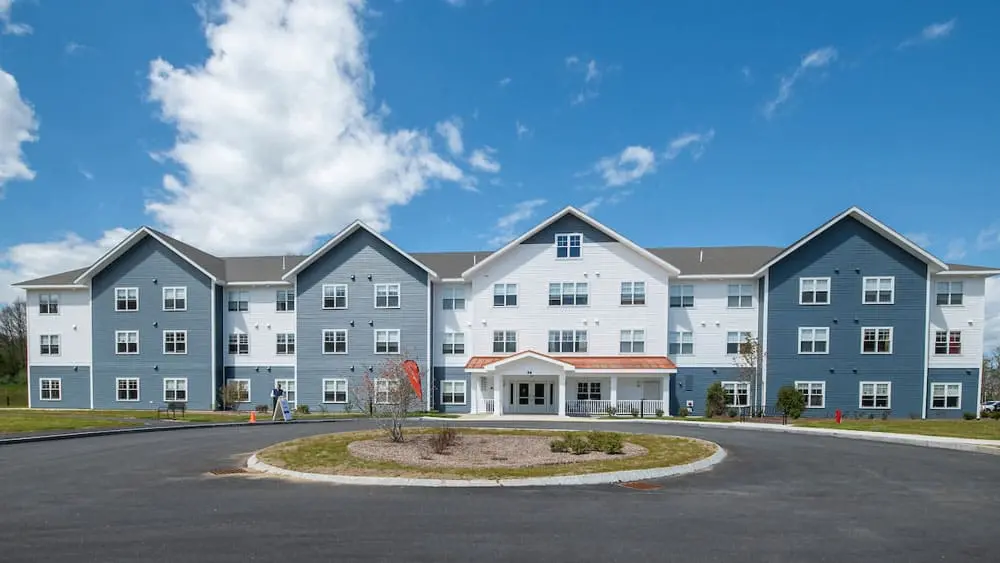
777	497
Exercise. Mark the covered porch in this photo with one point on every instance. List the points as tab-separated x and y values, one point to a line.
534	383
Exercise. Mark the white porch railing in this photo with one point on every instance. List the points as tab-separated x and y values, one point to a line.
647	407
587	407
486	406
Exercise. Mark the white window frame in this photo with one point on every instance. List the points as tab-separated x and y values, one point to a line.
453	298
246	383
48	300
569	238
242	300
118	390
947	342
878	281
289	344
576	344
875	396
807	389
454	384
741	337
451	342
334	332
290	388
682	292
126	333
571	290
945	387
126	290
950	292
680	338
507	294
384	385
814	332
505	341
742	292
42	344
240	336
731	387
288	301
628	293
629	338
389	287
588	390
175	290
330	292
175	333
336	381
176	388
57	388
388	340
878	332
815	289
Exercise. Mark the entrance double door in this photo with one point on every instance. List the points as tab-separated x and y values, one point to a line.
534	397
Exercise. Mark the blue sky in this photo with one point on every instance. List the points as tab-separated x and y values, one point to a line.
682	123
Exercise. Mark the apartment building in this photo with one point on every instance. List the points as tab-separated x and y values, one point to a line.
569	318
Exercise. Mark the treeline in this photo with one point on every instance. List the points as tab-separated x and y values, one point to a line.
991	375
13	341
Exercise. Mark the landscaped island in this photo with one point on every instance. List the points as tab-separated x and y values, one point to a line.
449	453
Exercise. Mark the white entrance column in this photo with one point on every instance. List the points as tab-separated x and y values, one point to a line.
562	394
497	394
665	385
614	391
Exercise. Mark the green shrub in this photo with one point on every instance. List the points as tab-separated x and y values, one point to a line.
659	413
715	400
683	412
302	409
791	401
968	416
577	444
995	415
733	413
607	442
611	410
443	438
558	446
885	415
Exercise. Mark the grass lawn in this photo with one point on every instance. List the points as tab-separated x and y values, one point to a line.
37	421
328	454
981	429
16	394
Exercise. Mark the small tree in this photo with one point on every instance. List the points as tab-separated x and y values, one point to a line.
232	395
13	339
748	360
715	400
791	401
387	398
991	376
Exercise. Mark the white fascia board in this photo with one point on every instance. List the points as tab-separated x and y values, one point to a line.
718	277
258	283
625	371
969	273
50	286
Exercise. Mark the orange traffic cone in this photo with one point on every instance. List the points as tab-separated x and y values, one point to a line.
253	417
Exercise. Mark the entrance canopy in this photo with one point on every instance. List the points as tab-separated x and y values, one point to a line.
581	365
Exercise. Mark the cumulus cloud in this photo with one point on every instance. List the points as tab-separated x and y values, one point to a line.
506	227
630	165
7	25
813	60
483	159
451	131
17	126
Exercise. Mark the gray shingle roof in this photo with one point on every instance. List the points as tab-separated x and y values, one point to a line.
209	263
450	264
259	268
717	260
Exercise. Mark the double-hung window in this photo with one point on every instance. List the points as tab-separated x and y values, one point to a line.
239	344
814	291
567	341
50	389
814	340
128	389
738	343
737	393
126	299
568	294
588	391
568	245
946	395
814	393
175	341
876	394
175	299
453	392
387	296
876	340
680	343
505	295
242	389
632	341
386	391
284	300
49	344
335	341
387	341
239	300
504	341
175	390
454	343
633	293
682	295
949	293
48	304
879	290
335	296
740	296
284	343
947	343
453	298
127	342
334	390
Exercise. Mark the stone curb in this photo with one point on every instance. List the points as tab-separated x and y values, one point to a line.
611	477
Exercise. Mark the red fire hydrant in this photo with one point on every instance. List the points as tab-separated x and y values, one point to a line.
839	415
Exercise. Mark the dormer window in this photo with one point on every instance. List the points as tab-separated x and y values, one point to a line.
568	245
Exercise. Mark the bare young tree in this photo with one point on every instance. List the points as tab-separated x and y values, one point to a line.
387	397
991	376
13	338
748	360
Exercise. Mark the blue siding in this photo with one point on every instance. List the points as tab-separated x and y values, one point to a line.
691	384
261	382
847	252
568	224
150	266
220	343
451	373
75	387
968	377
360	255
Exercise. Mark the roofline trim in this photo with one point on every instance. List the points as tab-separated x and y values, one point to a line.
570	210
986	273
257	283
871	222
717	277
129	241
28	285
343	234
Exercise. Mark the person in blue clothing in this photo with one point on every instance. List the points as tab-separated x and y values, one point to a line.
276	394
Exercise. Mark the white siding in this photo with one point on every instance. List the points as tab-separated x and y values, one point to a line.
262	323
969	317
451	321
710	320
603	266
72	324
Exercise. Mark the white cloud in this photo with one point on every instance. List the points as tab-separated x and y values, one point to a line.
813	60
17	126
571	60
483	159
694	143
72	47
612	199
451	131
592	74
504	81
7	26
630	165
922	240
988	238
932	32
522	130
592	205
86	174
456	2
32	260
991	331
956	249
506	226
277	140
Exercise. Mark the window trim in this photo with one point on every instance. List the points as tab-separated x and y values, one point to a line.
575	293
741	338
454	382
399	341
288	292
569	246
829	290
809	384
58	345
740	295
126	309
175	332
875	384
58	303
504	332
574	343
41	388
237	335
347	396
680	342
506	294
174	288
138	343
892	290
444	342
388	293
631	294
389	383
736	385
347	341
631	340
239	293
680	290
946	384
138	390
249	387
293	343
892	338
334	286
175	399
798	343
947	343
588	390
451	293
949	293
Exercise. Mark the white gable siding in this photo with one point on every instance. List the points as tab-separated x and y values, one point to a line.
72	324
602	265
969	317
451	320
710	320
262	323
